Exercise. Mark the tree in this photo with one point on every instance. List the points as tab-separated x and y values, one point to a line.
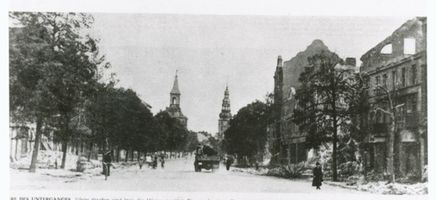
120	120
321	101
71	60
29	99
246	135
191	141
173	136
390	107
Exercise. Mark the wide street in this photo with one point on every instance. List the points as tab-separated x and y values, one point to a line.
178	175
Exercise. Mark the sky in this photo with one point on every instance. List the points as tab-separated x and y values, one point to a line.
210	51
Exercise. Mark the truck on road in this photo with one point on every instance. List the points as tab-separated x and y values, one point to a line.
206	158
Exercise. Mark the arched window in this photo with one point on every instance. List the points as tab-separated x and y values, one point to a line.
387	49
174	101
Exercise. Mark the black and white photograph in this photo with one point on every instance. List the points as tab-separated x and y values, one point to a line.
217	103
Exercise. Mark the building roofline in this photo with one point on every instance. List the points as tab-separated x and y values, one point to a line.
407	24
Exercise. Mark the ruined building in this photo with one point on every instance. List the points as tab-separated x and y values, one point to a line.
397	68
225	115
289	142
286	141
174	109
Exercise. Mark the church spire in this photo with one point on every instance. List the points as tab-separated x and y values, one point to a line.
175	89
174	109
225	115
226	103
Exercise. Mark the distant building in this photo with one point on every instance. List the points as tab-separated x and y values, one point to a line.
174	109
225	115
399	64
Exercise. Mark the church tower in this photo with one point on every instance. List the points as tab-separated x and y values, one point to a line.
175	93
225	115
174	109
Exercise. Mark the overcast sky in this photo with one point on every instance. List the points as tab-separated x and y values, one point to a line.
208	51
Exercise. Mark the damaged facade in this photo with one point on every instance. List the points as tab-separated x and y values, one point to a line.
398	66
286	141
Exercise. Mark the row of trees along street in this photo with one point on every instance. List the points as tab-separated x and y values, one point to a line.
57	76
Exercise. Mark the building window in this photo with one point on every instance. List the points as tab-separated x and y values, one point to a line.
385	80
394	78
377	84
409	46
414	104
377	80
387	49
413	77
403	77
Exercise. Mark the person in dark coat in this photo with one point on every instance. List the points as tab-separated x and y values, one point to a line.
107	162
154	162
317	176
229	162
162	161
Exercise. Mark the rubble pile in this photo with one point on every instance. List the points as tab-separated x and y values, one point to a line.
53	160
394	188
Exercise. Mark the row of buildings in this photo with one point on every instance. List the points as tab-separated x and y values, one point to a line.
398	64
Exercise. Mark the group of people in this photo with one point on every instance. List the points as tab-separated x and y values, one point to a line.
152	161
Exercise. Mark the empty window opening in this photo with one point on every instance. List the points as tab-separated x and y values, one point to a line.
387	49
409	46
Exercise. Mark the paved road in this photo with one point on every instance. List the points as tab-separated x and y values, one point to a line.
178	175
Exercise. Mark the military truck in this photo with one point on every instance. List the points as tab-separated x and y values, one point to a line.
206	158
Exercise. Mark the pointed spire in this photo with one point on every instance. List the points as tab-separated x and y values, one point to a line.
225	110
226	92
175	89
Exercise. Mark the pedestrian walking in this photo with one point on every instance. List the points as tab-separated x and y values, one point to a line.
229	162
107	162
317	176
154	162
140	162
162	161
